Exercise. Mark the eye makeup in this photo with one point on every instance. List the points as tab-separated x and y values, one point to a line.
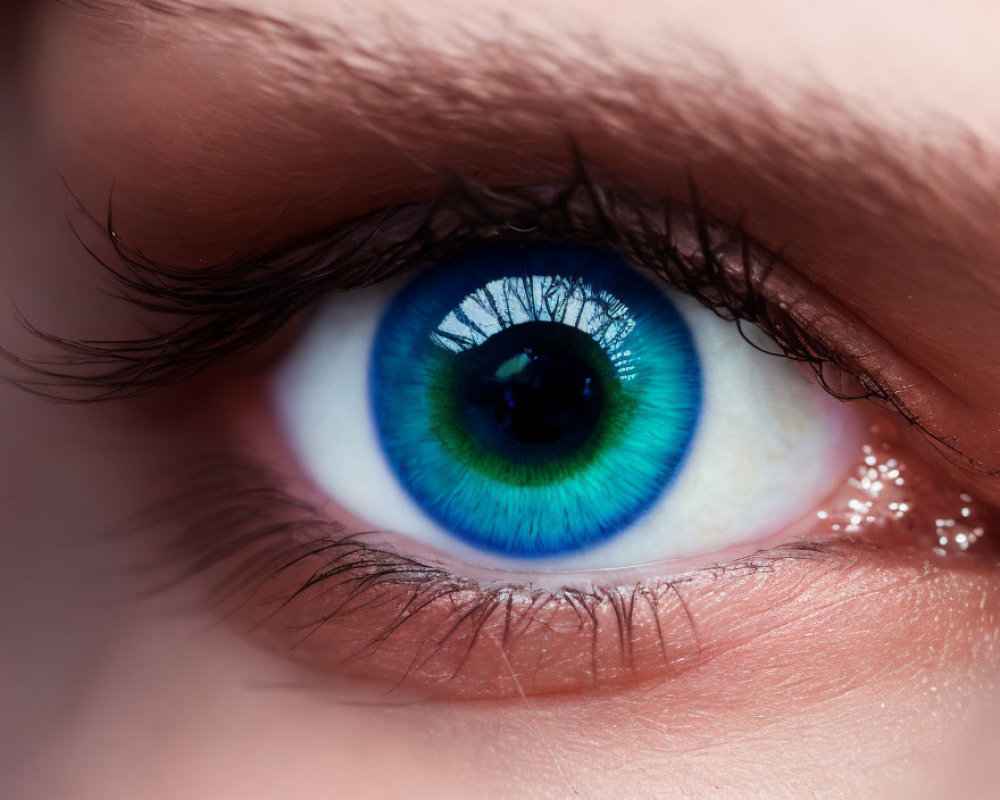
857	639
868	211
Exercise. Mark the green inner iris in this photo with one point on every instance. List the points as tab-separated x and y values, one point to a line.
533	405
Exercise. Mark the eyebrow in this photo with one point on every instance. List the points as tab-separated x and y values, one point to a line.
816	129
693	110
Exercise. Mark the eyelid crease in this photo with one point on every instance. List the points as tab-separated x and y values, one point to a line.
705	91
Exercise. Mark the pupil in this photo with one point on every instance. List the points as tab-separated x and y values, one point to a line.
534	392
539	397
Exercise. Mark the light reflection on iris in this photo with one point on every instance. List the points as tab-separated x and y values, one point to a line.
505	302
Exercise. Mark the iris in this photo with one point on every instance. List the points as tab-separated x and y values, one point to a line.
534	400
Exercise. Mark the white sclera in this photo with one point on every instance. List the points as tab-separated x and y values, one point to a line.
769	448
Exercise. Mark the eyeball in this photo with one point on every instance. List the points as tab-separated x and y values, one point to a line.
548	406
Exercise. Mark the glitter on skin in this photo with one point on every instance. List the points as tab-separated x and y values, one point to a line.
884	490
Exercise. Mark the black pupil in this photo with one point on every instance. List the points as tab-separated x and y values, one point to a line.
533	391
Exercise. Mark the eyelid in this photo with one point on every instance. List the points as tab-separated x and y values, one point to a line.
218	312
322	587
235	306
346	603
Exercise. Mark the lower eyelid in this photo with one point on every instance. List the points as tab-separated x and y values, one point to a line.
311	586
402	632
453	640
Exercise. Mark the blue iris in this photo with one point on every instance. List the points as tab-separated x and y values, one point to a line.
534	400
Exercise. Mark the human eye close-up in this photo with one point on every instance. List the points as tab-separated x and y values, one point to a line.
475	400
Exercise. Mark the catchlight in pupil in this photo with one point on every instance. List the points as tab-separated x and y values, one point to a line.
534	400
533	391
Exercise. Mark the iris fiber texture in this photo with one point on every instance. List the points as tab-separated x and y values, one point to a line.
534	400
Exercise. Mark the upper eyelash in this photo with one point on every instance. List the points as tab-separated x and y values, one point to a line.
231	307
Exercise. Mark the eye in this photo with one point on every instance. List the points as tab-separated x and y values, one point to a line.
547	406
484	500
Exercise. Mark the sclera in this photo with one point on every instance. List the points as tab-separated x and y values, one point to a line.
769	447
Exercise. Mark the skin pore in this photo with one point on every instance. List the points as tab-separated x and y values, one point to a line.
860	143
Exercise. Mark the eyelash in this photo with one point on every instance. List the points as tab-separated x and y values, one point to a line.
230	308
244	530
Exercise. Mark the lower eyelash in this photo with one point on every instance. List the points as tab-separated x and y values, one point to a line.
255	547
252	545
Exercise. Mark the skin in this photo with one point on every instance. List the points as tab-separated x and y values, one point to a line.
860	142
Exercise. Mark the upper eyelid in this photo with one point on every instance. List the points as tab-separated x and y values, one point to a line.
235	305
807	158
231	307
